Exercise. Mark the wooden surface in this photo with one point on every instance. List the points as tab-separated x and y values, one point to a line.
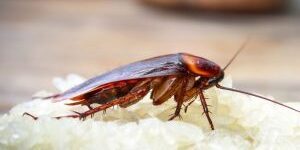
43	39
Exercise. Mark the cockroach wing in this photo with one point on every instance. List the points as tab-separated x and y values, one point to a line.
154	67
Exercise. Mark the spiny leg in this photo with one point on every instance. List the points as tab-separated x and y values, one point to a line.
70	116
189	96
83	102
140	92
179	99
89	106
126	99
205	109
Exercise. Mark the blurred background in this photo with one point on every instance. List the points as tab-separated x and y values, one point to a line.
40	40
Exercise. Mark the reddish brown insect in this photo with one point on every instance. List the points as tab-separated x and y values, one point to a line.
182	76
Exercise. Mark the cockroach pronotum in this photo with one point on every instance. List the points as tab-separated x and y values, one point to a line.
182	76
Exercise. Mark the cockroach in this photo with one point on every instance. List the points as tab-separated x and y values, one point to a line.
182	76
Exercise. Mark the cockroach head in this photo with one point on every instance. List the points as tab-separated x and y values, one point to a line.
205	83
216	79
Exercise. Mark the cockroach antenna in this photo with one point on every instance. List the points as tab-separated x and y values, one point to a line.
237	53
247	93
251	94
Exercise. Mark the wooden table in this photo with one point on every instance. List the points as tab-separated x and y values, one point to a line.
43	39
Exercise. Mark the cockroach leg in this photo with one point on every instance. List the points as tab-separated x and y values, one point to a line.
186	107
207	112
81	115
104	112
126	99
205	109
30	115
179	99
92	115
89	106
67	116
173	116
176	114
190	96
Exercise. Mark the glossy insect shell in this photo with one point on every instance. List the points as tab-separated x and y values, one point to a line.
200	66
167	65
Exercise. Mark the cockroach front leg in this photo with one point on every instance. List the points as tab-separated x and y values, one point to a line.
205	109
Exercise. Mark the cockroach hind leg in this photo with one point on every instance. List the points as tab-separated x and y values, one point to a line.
30	115
89	106
104	112
81	116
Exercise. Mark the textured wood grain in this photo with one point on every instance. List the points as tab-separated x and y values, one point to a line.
43	39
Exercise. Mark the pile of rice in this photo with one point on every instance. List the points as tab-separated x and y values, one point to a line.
241	122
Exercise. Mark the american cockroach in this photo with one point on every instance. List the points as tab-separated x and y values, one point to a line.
182	76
